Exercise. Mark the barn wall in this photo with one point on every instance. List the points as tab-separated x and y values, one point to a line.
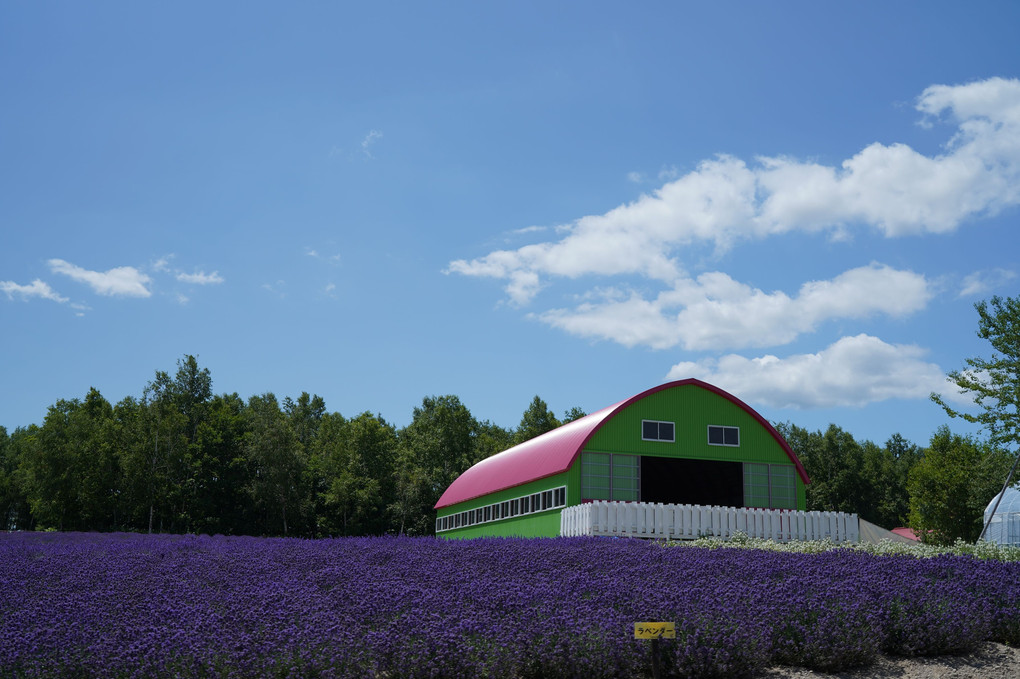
692	409
542	524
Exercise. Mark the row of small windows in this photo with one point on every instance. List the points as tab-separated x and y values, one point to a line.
654	430
529	504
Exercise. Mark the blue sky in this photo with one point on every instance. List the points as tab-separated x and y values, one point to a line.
798	202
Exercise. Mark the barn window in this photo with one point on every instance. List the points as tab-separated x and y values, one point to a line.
652	430
626	478
784	486
610	477
596	476
528	504
770	486
756	485
723	436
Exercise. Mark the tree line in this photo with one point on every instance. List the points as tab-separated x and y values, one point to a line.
182	459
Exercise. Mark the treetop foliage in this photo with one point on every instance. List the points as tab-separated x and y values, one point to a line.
180	458
994	382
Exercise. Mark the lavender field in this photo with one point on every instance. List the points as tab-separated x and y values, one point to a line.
125	605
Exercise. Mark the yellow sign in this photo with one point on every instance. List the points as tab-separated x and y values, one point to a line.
655	630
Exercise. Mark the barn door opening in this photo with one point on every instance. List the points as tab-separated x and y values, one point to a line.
694	482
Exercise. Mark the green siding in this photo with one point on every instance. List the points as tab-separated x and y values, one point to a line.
693	409
541	524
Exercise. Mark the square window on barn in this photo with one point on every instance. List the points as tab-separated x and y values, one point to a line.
653	430
627	478
756	485
596	474
723	436
784	486
770	486
610	477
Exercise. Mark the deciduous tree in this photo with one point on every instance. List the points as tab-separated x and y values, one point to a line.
951	485
535	421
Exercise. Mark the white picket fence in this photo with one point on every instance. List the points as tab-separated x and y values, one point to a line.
687	522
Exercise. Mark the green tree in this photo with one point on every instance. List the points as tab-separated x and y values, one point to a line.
191	391
305	415
574	413
435	448
951	485
898	457
13	503
355	459
535	421
162	449
835	463
69	470
97	468
222	504
993	383
276	463
491	439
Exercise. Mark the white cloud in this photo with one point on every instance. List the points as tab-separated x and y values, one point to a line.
278	289
716	312
162	265
854	371
315	254
370	139
123	281
200	278
725	200
36	288
981	282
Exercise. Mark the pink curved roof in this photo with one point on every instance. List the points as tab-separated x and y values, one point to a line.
553	452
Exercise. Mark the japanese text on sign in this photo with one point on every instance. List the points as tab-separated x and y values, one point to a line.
655	630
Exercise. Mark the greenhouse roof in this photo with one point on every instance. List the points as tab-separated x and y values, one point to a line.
1010	503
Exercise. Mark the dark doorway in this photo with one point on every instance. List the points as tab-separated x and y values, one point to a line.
692	482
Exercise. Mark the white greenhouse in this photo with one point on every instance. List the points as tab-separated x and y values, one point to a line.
1004	528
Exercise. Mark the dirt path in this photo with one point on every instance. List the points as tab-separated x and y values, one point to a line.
990	661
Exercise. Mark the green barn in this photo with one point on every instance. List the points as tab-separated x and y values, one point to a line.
684	442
